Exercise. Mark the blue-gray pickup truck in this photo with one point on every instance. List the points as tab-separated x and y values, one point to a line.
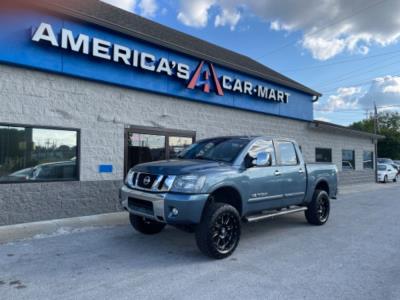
218	183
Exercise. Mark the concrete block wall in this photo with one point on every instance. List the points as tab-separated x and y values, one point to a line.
102	112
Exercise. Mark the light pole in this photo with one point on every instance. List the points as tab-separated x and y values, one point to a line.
376	141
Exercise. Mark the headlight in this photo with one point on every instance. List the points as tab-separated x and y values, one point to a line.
129	178
188	184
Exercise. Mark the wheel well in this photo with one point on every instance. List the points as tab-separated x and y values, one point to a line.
227	195
323	185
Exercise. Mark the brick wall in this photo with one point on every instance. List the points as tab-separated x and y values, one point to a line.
103	111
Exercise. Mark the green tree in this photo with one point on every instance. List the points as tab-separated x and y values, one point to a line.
389	126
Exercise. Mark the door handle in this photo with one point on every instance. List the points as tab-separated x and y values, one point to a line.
277	173
301	171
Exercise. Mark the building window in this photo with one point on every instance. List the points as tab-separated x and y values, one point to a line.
287	154
177	144
368	160
32	154
323	155
348	160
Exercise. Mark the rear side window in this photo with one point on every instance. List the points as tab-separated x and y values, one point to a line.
287	154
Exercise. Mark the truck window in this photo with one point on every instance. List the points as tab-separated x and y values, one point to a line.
262	145
288	156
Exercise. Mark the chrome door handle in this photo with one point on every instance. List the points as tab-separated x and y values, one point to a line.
301	171
277	173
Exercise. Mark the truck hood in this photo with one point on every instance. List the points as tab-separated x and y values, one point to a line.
180	167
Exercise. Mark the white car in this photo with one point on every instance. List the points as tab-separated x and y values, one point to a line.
386	173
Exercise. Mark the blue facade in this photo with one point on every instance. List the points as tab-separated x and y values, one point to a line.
17	47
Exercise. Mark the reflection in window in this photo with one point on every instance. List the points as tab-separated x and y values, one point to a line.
35	154
348	160
177	144
323	155
145	148
287	153
262	146
368	160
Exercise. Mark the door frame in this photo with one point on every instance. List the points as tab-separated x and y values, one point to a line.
167	132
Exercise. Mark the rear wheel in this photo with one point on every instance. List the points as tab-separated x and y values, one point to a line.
386	180
218	234
319	208
144	225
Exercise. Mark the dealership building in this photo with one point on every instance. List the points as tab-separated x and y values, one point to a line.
88	90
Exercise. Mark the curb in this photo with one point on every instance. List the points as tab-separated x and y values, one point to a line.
13	233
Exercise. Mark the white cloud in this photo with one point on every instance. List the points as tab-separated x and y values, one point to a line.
128	5
329	27
383	91
227	18
195	13
345	98
148	8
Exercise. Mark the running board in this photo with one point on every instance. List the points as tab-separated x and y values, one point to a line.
260	217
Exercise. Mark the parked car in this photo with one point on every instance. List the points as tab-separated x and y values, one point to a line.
21	175
386	173
217	183
385	161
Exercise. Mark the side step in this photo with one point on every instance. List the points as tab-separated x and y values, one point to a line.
260	217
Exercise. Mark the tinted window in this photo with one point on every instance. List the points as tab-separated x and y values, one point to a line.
146	147
323	155
261	145
27	152
348	160
287	153
368	160
221	149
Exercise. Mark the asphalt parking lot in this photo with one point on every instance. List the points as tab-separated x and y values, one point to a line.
354	256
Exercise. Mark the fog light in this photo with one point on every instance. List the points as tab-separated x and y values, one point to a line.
174	211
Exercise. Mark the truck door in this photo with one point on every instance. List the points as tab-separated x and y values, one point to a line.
265	188
292	172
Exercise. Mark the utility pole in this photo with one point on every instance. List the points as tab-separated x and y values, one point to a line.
376	141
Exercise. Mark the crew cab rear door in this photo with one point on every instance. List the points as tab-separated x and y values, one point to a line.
291	169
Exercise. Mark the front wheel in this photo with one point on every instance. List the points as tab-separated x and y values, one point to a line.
386	180
319	208
144	225
218	234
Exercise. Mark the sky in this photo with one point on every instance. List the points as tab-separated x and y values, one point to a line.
349	51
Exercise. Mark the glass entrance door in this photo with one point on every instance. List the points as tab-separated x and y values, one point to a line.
152	144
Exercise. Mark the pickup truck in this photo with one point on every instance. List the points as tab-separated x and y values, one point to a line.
218	183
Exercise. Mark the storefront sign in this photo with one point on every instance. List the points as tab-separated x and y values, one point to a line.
205	76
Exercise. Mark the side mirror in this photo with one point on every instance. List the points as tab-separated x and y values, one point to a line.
263	159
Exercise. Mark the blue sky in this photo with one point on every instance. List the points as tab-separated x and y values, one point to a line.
347	50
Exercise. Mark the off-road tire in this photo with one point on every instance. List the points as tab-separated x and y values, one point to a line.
318	210
220	226
144	225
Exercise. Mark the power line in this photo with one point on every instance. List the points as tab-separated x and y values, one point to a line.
325	27
362	71
344	61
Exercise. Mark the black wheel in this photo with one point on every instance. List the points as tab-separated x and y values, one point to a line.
144	225
218	234
386	180
319	208
395	179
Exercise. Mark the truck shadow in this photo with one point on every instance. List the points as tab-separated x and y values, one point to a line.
175	246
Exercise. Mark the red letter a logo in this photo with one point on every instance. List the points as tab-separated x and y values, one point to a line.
206	79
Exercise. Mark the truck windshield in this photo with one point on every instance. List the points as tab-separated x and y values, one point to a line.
219	149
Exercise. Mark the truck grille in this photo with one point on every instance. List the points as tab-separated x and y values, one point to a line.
146	181
150	182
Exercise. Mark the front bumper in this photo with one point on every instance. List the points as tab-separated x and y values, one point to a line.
159	206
